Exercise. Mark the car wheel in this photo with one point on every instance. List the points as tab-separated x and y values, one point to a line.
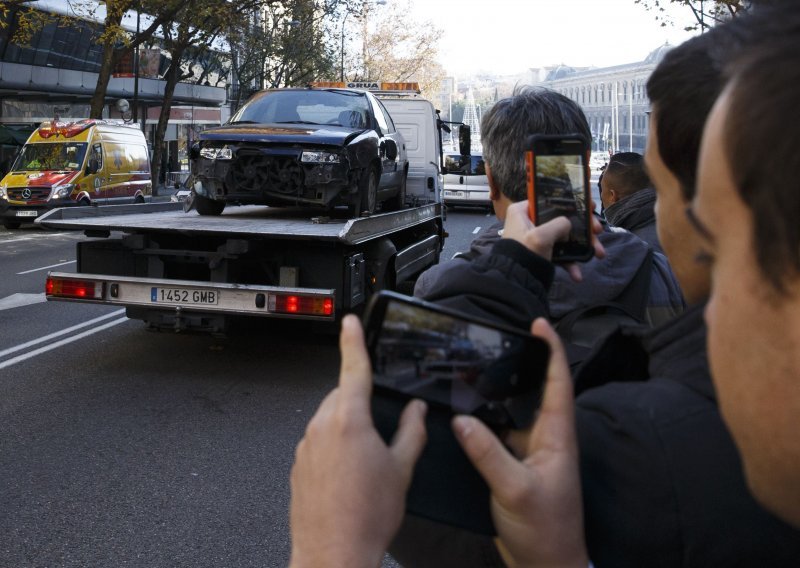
368	191
206	206
84	202
399	201
138	200
12	224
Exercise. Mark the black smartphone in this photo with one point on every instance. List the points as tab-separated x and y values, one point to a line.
558	186
464	364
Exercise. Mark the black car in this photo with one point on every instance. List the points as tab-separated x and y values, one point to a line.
308	147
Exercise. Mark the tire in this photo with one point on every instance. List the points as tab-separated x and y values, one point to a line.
138	200
368	192
399	201
84	202
206	206
12	224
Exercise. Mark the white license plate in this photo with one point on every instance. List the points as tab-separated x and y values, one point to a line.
183	296
27	213
454	194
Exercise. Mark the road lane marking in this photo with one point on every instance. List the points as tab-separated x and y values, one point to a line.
475	232
57	344
18	300
46	267
61	333
21	238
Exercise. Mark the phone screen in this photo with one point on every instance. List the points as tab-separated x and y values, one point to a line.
559	188
467	366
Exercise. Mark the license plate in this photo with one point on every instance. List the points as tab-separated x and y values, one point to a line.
183	296
27	213
454	194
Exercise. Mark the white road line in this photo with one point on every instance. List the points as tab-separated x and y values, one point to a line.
475	231
19	300
61	333
57	344
46	267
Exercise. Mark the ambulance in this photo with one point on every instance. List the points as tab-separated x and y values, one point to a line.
88	162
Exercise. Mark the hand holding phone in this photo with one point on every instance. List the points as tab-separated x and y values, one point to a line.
558	186
463	364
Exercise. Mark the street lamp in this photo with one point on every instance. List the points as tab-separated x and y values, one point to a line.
344	20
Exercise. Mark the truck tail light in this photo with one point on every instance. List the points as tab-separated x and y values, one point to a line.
301	305
69	288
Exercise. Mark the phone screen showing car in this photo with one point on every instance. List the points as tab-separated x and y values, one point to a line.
558	186
470	367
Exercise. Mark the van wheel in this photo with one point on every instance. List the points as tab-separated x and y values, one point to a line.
206	206
12	224
398	201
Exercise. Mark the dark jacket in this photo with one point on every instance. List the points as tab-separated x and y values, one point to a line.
662	480
636	213
603	279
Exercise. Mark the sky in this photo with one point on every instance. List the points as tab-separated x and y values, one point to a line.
507	37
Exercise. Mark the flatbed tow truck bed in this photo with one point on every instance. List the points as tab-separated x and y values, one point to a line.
180	270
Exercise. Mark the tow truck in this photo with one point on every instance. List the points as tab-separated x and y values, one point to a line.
183	271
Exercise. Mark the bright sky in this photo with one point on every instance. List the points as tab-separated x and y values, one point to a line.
509	36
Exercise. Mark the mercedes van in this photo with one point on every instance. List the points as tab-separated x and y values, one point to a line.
465	182
76	163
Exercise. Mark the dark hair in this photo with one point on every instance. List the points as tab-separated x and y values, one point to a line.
762	137
682	90
505	128
626	172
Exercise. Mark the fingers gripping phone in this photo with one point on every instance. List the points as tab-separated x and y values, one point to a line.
558	186
457	362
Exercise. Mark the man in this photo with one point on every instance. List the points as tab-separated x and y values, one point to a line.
505	128
628	198
714	521
747	212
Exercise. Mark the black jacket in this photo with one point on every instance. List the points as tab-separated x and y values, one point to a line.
636	213
662	480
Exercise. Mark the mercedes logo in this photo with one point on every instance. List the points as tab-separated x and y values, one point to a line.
26	193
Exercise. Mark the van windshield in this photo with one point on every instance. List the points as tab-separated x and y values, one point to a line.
50	156
465	165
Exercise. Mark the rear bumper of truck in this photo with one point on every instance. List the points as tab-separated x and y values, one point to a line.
189	296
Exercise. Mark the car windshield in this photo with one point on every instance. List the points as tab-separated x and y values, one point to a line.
50	156
306	107
465	165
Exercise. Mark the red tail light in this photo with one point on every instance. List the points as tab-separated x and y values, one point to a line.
301	305
79	289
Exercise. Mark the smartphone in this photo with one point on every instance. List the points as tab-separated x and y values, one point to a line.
558	186
464	364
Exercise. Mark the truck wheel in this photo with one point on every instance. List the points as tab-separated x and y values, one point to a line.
206	206
368	191
399	201
12	224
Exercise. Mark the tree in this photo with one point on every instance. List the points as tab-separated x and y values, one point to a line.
400	53
707	13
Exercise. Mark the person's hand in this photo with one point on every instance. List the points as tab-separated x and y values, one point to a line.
519	227
536	502
348	487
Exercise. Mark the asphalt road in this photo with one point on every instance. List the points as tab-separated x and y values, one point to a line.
124	447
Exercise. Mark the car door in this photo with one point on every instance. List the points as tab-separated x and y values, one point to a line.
391	176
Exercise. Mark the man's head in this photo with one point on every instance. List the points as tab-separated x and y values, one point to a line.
747	210
624	175
505	129
682	90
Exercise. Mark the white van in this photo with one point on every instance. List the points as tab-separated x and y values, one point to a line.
465	182
415	118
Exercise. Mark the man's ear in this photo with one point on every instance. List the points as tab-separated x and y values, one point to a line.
494	191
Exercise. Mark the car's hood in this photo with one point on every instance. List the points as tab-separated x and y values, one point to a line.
38	179
282	133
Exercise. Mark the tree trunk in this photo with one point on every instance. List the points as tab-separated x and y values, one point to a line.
172	78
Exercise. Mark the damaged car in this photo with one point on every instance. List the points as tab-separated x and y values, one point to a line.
310	147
